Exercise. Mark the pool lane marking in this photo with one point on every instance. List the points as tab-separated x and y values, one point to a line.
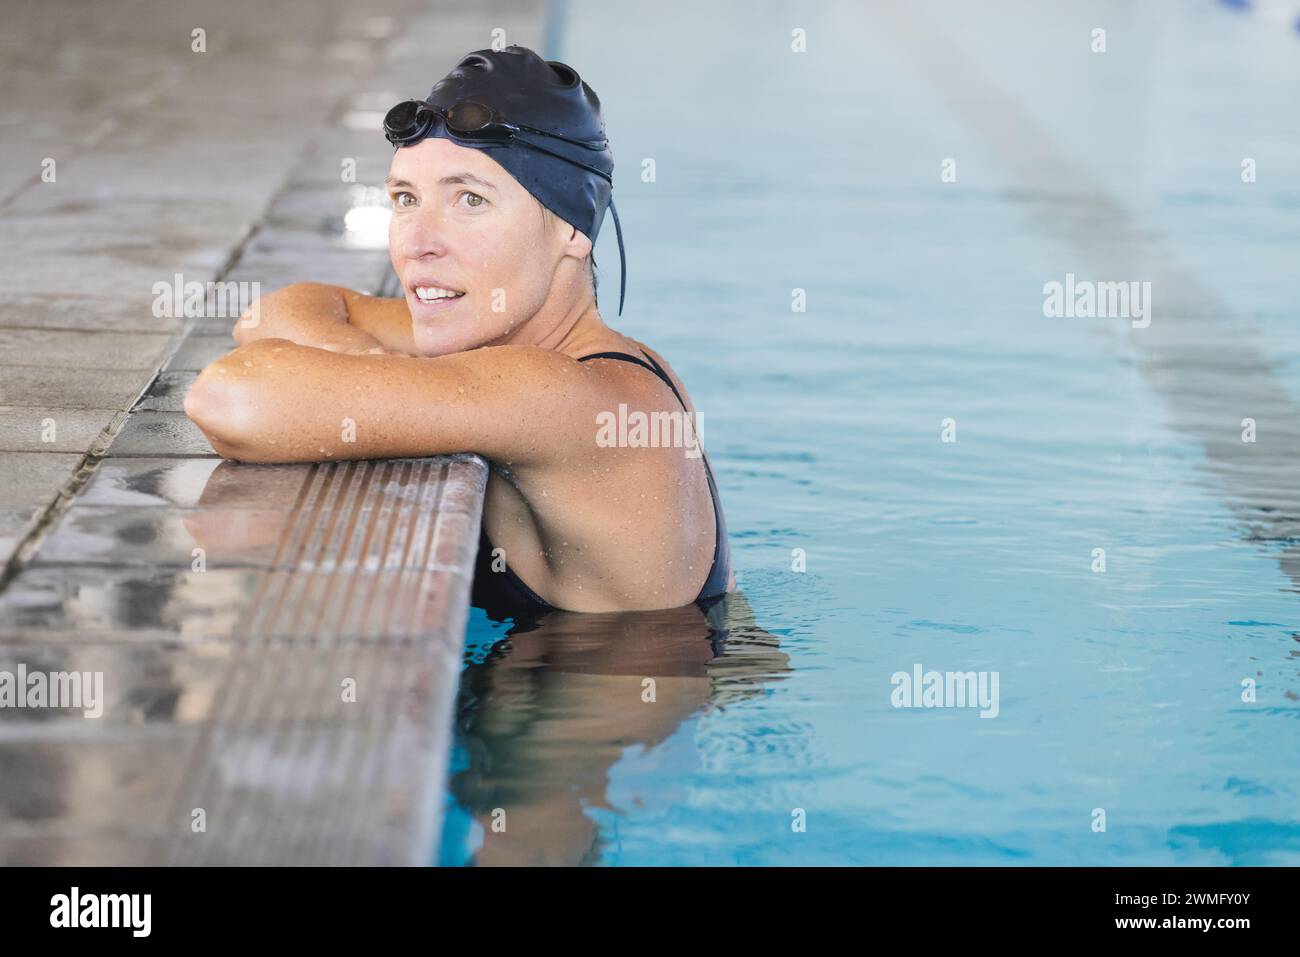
1210	375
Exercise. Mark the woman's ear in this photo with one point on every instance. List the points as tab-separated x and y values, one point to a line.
578	244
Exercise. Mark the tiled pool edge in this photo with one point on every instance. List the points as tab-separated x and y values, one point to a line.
400	534
314	730
374	762
271	742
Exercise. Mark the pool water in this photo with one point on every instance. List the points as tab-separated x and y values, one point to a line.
864	543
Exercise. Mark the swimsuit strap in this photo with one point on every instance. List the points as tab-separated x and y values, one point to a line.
658	370
719	572
653	366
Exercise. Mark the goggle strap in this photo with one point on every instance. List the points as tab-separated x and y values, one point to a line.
622	258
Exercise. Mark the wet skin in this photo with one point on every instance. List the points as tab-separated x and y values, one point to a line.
323	372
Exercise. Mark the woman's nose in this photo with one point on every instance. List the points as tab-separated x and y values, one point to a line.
420	232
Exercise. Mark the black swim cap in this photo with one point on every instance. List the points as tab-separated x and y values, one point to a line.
570	171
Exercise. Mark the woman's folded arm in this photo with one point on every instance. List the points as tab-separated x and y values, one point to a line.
273	400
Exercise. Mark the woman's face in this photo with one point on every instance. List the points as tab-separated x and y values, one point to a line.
462	224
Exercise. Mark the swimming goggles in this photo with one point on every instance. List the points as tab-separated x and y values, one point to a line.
411	120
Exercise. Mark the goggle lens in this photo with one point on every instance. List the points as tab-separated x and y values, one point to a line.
404	121
469	117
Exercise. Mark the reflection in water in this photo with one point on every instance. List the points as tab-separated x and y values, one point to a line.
554	705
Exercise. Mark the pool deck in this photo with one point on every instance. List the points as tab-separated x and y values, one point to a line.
279	645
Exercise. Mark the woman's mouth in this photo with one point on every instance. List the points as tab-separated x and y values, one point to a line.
435	298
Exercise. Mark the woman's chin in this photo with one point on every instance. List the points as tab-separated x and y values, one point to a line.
443	338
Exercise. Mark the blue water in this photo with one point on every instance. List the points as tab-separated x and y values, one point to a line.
1119	690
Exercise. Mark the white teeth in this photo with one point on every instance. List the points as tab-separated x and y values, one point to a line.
430	293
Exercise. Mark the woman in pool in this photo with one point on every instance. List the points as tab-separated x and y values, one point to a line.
499	184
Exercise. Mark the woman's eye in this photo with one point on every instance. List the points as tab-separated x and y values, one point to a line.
476	196
397	200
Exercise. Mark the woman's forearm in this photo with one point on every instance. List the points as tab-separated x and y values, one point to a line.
308	313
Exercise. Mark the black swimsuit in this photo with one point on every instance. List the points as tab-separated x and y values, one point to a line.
506	594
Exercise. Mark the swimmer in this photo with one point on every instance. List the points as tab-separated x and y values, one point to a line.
499	183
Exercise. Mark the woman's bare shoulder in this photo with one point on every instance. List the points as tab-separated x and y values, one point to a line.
667	367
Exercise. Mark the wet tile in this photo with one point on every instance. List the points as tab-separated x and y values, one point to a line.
305	202
58	604
357	777
83	312
321	166
160	433
110	848
17	521
362	605
267	278
52	603
209	302
361	277
454	545
39	267
79	350
220	325
427	484
318	234
101	779
56	430
33	386
167	392
34	478
193	482
453	485
161	536
306	216
126	244
98	689
15	524
343	139
90	688
199	351
463	487
280	745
